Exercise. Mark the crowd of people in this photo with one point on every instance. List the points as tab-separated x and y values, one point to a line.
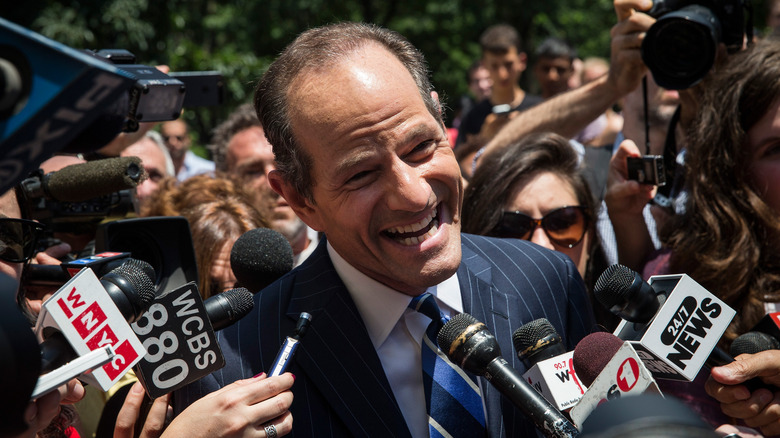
509	213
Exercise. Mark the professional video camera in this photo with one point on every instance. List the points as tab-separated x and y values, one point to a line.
680	48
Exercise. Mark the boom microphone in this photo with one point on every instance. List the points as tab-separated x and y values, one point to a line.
470	345
85	181
259	257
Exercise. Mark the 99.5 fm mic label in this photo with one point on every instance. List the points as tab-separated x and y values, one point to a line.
180	342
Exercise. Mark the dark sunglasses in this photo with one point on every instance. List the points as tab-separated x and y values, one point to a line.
565	226
18	239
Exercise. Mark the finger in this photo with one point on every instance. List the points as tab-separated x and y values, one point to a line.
52	254
747	366
71	392
128	414
282	425
750	408
270	408
742	431
155	419
624	8
726	393
270	387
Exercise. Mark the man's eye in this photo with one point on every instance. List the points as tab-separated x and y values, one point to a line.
421	149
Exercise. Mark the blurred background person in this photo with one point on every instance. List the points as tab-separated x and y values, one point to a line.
535	190
176	135
479	86
219	210
505	60
156	162
554	66
239	147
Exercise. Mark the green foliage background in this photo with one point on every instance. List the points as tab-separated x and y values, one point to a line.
240	38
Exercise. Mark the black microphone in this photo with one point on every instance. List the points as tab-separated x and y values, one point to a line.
259	257
228	307
537	341
131	288
470	345
752	343
85	181
625	294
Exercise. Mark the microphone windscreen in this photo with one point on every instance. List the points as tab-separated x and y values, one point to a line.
140	275
536	341
259	257
81	182
752	343
228	307
626	294
593	353
613	285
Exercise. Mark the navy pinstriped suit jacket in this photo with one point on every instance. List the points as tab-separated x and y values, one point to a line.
340	388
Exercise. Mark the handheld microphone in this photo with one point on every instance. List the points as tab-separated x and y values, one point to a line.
612	369
537	341
550	366
87	314
470	345
84	181
674	338
259	257
178	333
752	343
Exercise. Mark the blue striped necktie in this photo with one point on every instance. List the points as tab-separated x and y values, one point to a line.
451	396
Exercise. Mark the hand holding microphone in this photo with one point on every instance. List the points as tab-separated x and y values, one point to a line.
259	405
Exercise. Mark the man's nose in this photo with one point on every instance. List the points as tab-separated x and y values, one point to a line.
408	190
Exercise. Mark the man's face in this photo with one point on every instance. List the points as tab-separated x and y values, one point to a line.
387	188
504	68
153	160
553	75
176	137
250	155
480	83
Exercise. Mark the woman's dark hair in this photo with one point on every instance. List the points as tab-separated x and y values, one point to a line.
727	239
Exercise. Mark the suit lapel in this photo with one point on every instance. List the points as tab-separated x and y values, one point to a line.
338	357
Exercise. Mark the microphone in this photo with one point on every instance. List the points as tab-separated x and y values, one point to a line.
612	369
550	366
85	181
470	345
537	341
87	314
259	257
752	343
178	333
675	323
228	307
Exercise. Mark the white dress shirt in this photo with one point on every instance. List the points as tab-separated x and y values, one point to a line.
396	332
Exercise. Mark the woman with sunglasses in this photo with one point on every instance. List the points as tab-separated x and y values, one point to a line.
535	190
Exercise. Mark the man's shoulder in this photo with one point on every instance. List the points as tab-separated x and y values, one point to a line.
515	249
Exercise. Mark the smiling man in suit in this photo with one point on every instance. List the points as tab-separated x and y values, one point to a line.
362	155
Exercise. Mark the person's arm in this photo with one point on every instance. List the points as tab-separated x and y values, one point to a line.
761	408
568	113
626	199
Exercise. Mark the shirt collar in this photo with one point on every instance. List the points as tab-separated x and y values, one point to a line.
380	306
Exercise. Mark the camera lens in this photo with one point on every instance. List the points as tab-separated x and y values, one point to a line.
680	47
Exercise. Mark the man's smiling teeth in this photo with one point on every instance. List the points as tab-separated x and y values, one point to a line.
415	233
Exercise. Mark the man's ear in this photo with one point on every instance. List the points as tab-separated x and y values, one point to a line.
435	97
304	208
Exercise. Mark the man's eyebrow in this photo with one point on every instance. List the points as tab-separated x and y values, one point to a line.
352	161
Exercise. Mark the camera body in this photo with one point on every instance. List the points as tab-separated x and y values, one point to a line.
680	48
648	169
